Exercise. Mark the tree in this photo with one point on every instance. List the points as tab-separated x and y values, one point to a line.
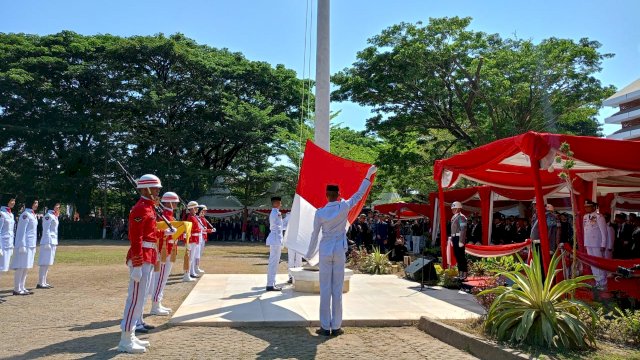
443	88
163	105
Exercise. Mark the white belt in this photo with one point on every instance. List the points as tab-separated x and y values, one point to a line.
456	234
148	245
170	242
535	241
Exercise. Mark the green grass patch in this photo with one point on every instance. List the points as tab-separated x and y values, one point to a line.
107	255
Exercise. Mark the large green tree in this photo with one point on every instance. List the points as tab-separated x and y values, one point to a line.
440	88
163	105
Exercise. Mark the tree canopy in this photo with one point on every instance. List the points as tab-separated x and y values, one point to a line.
163	105
440	88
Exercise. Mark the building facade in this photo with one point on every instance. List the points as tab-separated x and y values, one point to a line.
628	102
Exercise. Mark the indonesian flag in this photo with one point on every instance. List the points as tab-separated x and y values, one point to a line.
318	169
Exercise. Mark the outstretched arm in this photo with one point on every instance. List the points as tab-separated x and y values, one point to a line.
363	187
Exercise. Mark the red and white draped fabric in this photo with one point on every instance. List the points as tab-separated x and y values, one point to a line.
526	163
318	169
487	251
496	250
610	265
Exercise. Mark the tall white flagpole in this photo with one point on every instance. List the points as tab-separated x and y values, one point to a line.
323	52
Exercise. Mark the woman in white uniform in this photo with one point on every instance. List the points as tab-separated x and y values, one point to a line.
25	248
7	224
48	245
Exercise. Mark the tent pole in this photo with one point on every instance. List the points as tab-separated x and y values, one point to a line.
541	212
443	226
435	222
485	213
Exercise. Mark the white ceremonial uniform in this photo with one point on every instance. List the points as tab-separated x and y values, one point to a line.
7	224
50	224
25	248
274	241
332	220
595	239
48	245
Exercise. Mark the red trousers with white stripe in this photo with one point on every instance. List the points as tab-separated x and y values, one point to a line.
135	299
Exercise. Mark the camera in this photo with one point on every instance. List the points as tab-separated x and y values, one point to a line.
627	273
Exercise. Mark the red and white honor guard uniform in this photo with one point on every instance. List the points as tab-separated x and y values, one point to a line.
25	249
48	245
161	276
194	242
142	255
206	230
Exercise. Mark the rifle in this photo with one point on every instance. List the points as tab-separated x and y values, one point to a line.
133	182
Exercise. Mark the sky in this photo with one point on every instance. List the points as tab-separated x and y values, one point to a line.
274	31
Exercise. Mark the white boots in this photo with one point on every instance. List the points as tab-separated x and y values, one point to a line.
158	309
129	343
187	278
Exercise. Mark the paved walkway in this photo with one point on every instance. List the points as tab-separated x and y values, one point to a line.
383	300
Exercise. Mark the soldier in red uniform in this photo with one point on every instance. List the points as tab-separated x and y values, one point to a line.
206	230
169	202
194	242
142	255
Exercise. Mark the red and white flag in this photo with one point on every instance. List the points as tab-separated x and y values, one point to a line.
320	168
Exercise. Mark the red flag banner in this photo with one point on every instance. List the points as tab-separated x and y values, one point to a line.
318	169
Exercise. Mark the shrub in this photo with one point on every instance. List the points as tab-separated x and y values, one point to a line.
486	299
540	313
448	278
357	258
619	326
377	262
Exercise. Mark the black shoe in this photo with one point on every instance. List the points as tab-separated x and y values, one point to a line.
274	288
20	293
323	332
44	286
337	332
28	292
141	330
194	276
148	327
290	281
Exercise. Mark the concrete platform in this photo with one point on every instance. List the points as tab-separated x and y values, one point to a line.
381	300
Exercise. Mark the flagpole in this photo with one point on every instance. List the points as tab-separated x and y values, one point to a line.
323	52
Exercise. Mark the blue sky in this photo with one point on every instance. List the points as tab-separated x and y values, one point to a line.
273	31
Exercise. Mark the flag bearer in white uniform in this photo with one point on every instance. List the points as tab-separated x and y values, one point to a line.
25	248
7	224
332	221
48	245
595	239
274	241
141	257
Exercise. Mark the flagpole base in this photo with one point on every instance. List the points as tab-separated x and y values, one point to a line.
307	280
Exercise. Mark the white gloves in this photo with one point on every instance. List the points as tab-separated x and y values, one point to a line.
46	246
1	253
372	170
22	250
136	274
460	244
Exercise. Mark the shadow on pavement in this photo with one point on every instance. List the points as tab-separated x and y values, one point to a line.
299	343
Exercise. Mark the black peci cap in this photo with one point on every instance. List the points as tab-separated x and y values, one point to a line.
333	187
276	198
